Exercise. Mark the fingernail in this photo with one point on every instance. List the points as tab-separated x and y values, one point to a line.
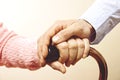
55	39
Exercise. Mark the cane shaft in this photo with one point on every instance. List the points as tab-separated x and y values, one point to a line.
53	55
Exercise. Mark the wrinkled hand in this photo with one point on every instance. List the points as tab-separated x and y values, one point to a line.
73	50
70	37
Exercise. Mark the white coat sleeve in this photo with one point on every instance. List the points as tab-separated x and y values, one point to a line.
103	15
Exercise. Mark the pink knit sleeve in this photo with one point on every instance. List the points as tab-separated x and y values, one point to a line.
18	51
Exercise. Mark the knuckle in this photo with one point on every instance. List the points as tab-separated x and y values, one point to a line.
64	55
63	58
81	44
63	45
72	44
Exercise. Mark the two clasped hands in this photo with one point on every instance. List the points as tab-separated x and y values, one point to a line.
71	37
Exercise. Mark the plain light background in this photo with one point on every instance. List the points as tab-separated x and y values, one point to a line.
31	18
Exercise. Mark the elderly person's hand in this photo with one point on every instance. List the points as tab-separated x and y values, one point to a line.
73	50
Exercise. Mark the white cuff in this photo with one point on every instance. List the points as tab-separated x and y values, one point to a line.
99	12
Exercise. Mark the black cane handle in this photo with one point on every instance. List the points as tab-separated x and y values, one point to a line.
53	55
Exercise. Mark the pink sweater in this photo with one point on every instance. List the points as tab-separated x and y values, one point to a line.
17	51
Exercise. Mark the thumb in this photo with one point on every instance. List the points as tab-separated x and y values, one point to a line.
58	66
63	35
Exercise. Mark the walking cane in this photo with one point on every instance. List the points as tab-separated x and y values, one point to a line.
53	55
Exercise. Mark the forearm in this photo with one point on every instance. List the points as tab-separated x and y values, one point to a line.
106	27
17	51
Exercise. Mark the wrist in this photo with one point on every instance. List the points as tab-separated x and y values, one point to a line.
89	30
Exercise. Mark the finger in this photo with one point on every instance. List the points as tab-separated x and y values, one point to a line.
58	66
73	48
81	47
62	35
77	28
39	48
43	44
72	30
56	27
45	40
63	50
87	47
